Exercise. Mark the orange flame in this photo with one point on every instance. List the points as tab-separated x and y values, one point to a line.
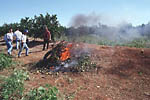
66	53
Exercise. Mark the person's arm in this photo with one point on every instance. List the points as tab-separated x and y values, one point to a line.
50	36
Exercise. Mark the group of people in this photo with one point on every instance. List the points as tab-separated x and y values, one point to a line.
21	41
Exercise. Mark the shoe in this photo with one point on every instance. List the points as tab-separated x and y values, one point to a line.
9	54
19	56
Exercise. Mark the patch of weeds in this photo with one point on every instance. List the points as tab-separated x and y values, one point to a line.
13	86
5	61
43	93
13	89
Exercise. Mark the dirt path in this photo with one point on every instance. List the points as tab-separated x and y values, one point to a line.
123	74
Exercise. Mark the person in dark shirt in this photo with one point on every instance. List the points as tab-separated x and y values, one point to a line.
47	37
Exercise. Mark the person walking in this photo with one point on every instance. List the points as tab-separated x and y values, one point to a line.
9	39
18	35
47	37
24	43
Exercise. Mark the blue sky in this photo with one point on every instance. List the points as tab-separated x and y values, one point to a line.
112	11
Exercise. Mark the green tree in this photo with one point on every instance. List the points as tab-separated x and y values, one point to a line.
35	26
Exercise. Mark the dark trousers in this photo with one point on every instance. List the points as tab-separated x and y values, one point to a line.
44	44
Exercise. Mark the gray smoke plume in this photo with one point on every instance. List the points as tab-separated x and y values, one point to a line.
92	24
85	20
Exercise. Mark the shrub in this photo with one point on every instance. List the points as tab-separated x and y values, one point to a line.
12	88
5	61
43	93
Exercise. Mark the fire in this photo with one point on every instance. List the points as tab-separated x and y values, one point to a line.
66	53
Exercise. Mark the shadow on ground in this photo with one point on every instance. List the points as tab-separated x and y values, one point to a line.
34	43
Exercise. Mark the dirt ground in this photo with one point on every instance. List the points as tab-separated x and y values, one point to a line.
122	73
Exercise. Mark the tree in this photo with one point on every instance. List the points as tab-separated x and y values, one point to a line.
35	26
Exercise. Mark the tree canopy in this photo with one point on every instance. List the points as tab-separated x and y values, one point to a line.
35	25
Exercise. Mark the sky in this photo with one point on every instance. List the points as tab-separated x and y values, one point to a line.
112	12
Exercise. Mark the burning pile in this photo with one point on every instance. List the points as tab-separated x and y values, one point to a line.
67	57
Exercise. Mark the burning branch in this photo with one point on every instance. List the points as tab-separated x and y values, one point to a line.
66	56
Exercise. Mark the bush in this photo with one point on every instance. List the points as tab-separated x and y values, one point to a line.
13	89
5	61
13	86
43	93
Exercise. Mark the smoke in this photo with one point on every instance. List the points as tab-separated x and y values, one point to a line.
72	63
85	20
127	32
93	24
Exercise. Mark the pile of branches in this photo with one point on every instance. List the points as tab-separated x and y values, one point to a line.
52	57
76	63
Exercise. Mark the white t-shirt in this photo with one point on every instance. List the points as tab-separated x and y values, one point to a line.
9	36
24	38
18	35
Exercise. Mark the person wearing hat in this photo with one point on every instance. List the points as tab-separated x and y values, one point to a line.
24	43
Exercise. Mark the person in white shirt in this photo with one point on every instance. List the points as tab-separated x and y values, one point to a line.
9	40
24	43
18	35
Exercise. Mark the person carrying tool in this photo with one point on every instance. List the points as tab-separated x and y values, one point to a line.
9	39
24	43
47	37
18	35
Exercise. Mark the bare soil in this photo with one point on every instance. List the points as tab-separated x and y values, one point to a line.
122	73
